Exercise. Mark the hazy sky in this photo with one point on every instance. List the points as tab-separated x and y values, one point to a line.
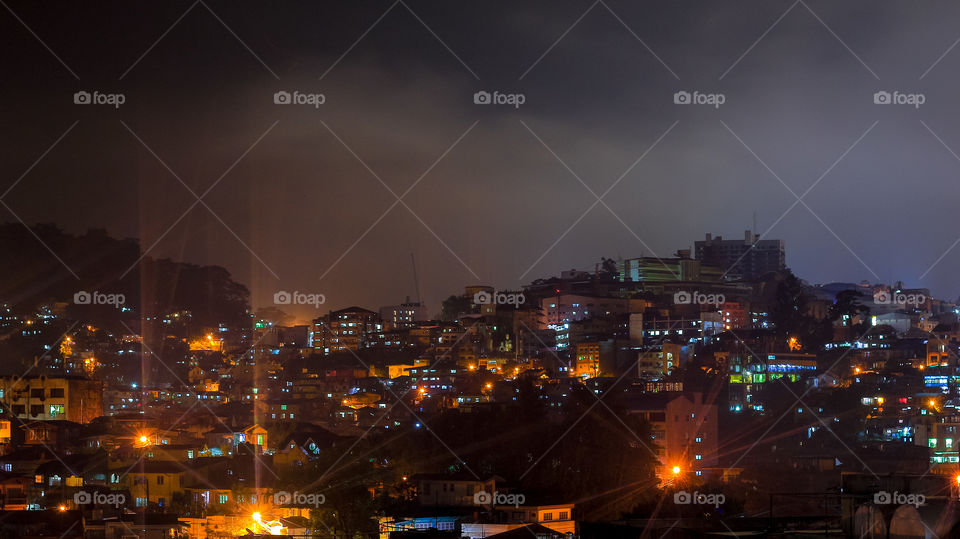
490	199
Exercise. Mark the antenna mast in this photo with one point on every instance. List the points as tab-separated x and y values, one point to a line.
416	282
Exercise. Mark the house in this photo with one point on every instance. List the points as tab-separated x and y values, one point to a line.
153	483
451	490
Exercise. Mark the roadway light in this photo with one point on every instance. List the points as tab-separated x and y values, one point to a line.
676	470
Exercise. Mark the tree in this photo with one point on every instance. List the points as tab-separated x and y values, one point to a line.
453	307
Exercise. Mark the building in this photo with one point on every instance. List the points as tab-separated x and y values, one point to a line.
593	359
650	269
404	315
44	398
565	308
749	258
456	490
346	329
684	430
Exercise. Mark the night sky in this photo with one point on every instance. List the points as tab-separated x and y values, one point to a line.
497	194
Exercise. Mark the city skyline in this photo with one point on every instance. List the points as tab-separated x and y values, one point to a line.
410	269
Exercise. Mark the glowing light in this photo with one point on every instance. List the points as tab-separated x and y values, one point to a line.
489	386
62	508
933	402
958	478
256	516
676	470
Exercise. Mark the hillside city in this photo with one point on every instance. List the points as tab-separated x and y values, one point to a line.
712	391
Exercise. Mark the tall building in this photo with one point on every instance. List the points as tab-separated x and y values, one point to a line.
748	258
405	315
346	329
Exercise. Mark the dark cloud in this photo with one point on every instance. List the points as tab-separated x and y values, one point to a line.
492	206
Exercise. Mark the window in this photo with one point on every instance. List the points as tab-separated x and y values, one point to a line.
698	439
223	498
141	501
698	457
36	393
564	515
139	480
57	393
36	409
160	479
161	501
19	409
932	442
56	410
547	516
949	442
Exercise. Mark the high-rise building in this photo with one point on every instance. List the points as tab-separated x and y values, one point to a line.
749	258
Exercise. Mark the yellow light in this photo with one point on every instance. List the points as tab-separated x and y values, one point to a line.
958	479
933	402
62	508
471	367
256	516
489	386
880	400
144	439
676	470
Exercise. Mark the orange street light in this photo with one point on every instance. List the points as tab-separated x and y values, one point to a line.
676	470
